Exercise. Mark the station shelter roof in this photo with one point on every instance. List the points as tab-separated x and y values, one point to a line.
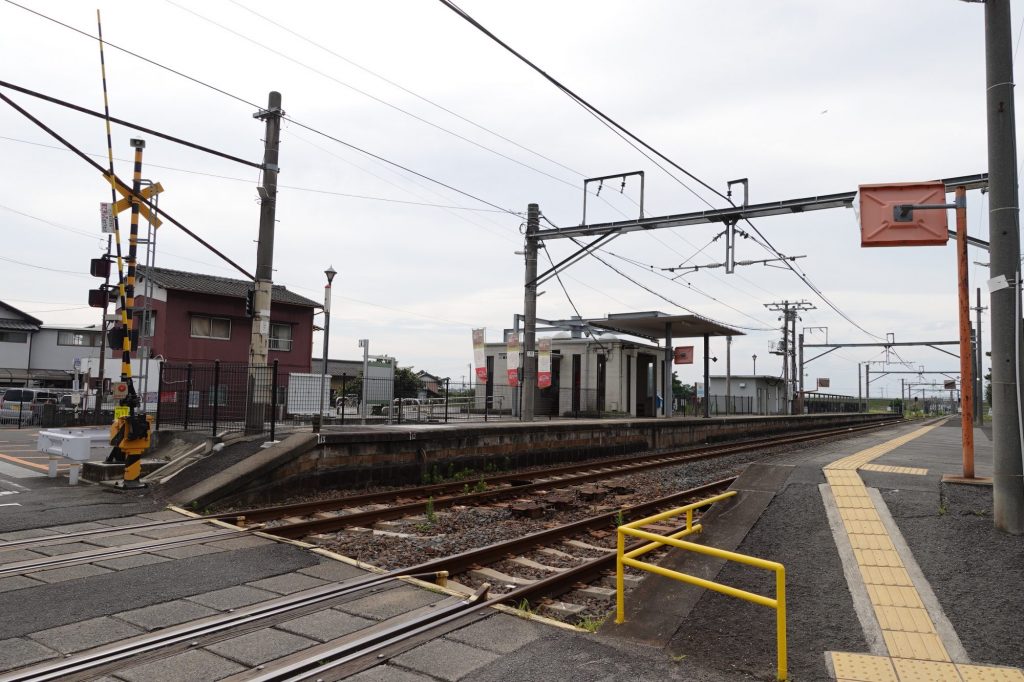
654	325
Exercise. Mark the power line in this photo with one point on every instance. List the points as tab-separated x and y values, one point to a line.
127	124
623	131
256	106
397	108
128	190
296	188
404	89
40	267
137	55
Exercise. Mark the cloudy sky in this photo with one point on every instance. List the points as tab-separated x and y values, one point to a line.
801	97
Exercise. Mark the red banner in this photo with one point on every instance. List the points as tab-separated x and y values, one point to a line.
479	359
543	363
512	359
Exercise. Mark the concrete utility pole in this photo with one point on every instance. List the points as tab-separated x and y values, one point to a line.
1004	230
530	312
728	375
800	364
979	374
790	311
258	345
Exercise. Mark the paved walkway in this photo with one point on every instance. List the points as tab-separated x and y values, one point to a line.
918	641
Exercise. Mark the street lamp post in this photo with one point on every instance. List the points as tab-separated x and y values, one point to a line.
755	364
330	272
365	345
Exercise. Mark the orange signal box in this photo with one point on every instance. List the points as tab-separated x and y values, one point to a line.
884	220
682	355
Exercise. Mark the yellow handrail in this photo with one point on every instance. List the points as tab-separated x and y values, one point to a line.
624	558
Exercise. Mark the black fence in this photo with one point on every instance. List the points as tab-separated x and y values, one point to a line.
52	413
221	397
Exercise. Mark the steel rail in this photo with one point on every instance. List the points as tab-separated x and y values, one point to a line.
306	508
186	633
105	553
303	528
320	663
314	661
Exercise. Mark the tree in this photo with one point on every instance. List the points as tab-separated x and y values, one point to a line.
681	390
407	384
988	388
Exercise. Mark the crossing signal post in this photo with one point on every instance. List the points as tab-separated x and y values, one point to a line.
131	431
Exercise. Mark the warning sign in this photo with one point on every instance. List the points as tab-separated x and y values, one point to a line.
682	355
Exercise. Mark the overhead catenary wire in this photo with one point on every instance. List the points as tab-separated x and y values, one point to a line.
623	131
404	89
379	100
121	183
128	124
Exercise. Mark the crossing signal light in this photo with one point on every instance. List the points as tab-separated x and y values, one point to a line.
250	302
99	267
100	298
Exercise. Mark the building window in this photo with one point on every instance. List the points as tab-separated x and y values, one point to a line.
13	337
210	327
78	338
281	337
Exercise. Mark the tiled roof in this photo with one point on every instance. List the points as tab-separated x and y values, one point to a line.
179	280
24	321
18	325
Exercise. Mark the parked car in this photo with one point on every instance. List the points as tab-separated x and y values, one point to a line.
25	405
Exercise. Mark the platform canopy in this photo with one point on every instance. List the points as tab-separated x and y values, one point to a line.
657	325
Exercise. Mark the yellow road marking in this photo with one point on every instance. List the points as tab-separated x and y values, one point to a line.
25	462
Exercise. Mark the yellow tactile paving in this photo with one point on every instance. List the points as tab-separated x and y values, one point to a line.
859	515
889	469
892	595
903	618
916	654
861	527
986	673
925	671
863	668
878	557
923	646
878	541
886	575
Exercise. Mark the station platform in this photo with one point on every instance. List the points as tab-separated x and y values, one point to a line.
891	575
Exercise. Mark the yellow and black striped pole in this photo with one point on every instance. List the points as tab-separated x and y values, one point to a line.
131	444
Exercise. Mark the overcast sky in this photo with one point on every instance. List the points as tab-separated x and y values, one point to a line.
801	97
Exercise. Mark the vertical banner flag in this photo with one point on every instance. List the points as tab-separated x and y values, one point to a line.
543	363
512	359
478	355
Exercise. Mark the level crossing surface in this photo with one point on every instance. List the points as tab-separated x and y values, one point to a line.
963	573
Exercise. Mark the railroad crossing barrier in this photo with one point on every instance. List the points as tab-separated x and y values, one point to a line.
75	445
624	558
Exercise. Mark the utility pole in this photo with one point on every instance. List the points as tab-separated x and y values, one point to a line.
790	313
259	340
258	345
1004	230
979	374
860	393
530	313
800	352
728	375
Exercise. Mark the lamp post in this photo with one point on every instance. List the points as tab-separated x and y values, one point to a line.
365	345
755	364
330	272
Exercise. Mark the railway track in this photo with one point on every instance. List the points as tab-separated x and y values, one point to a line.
580	572
344	512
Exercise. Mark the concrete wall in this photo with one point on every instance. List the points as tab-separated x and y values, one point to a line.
407	456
